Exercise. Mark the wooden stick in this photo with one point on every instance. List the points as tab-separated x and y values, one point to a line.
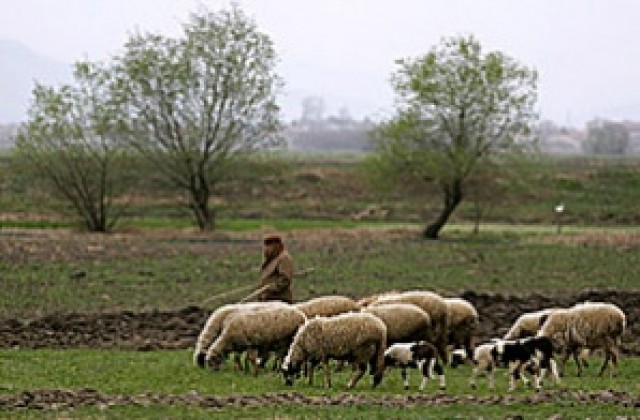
253	294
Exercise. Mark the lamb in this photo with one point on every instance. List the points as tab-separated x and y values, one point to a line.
463	324
434	305
267	329
327	306
405	322
589	325
357	337
215	324
534	354
422	355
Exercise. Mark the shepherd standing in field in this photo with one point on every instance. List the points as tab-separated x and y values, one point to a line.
276	273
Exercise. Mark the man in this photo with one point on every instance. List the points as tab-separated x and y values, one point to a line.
276	272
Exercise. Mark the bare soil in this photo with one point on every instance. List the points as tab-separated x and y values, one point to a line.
179	329
54	399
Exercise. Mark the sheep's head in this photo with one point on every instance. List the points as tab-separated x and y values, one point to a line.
215	360
200	359
458	357
290	371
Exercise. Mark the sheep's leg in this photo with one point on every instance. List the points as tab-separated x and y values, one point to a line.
437	367
574	353
327	373
472	380
362	368
615	352
237	362
514	375
607	357
490	378
405	378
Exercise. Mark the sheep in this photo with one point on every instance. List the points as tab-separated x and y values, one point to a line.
368	300
589	325
263	330
422	355
463	324
357	337
528	324
405	322
327	306
434	305
215	324
534	354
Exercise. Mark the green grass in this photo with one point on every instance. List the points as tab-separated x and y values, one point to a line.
172	372
502	261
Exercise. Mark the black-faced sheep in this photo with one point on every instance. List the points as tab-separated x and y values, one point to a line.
434	305
423	356
589	325
327	306
263	330
360	338
463	324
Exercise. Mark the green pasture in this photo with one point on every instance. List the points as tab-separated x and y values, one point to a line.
172	372
503	261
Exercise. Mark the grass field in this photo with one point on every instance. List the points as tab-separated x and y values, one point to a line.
156	261
166	373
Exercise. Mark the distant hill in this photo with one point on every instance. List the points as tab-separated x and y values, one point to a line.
20	68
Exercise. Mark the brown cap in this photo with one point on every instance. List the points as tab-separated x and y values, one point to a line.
272	239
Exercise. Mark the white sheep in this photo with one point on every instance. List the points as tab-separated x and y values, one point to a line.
327	306
263	330
528	324
421	355
463	322
434	305
405	322
215	324
357	337
589	325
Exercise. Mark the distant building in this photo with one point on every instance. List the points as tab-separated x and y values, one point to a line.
333	134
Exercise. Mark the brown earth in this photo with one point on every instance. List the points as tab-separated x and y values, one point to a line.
179	329
44	399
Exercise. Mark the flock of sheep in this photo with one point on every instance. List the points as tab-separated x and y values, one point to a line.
405	329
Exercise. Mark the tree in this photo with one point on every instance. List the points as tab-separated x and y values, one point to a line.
458	108
71	141
606	138
199	101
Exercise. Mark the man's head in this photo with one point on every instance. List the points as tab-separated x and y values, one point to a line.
272	246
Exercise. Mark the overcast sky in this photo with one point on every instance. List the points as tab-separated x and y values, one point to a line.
586	51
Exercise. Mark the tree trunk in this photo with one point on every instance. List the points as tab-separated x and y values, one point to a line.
452	197
200	207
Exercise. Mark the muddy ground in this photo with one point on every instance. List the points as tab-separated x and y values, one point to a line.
64	399
179	329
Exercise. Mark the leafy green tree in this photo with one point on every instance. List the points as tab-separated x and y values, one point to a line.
458	108
606	138
71	141
199	101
